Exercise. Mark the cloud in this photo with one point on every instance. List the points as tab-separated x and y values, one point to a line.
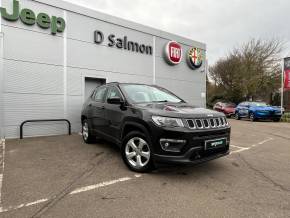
221	24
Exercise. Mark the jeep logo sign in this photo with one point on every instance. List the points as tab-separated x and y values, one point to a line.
28	17
173	53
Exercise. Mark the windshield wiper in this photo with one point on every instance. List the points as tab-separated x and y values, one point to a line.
160	101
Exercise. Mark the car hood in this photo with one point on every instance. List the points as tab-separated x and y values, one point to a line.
181	110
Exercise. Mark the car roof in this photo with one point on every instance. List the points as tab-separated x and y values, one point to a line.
119	83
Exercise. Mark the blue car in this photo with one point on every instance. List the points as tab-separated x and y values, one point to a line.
257	110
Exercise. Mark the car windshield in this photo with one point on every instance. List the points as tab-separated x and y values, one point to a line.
145	93
259	104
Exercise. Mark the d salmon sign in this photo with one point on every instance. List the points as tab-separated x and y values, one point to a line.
173	53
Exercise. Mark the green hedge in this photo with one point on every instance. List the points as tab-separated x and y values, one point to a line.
286	117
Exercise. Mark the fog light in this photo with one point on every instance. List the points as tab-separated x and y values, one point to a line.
173	145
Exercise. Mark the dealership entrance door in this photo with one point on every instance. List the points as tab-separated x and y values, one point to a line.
91	84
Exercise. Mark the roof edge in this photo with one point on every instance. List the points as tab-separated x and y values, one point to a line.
64	5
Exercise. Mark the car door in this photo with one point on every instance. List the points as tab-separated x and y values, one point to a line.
97	109
114	113
244	109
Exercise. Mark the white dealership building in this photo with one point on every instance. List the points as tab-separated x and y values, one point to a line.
53	53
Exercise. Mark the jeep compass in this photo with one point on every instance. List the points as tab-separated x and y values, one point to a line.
153	126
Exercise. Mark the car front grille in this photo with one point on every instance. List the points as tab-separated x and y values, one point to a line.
207	123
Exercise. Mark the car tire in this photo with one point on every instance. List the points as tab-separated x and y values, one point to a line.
252	117
137	152
86	133
237	116
276	120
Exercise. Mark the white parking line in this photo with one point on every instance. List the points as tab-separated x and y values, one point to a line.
22	205
240	150
263	142
237	146
2	159
76	191
96	186
252	146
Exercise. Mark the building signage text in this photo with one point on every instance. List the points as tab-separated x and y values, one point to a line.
28	17
123	43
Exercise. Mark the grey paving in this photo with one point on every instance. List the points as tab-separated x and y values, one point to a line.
250	183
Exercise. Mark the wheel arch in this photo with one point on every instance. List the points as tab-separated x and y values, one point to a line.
134	125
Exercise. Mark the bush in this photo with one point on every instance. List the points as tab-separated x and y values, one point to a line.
286	117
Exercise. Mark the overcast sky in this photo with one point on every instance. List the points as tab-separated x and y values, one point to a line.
221	24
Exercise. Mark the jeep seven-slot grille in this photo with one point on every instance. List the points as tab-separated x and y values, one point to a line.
206	123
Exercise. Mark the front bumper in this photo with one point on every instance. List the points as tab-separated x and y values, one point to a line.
193	151
267	116
193	156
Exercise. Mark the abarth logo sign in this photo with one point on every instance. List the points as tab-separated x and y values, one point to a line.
28	17
194	58
173	53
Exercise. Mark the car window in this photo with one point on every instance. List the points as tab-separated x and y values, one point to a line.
259	104
100	93
114	92
144	93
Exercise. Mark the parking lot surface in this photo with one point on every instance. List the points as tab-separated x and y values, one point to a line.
60	176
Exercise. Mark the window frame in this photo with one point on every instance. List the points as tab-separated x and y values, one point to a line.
108	90
105	94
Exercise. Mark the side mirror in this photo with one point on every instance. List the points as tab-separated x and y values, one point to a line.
115	100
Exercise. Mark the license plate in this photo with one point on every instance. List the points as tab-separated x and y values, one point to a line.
215	143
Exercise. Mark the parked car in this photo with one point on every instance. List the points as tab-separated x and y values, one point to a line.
279	107
258	110
227	108
152	125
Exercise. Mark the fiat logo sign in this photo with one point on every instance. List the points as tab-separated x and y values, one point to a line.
173	53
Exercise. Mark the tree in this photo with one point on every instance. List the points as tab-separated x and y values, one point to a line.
251	72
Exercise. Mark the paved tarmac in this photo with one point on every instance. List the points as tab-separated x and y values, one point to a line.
61	176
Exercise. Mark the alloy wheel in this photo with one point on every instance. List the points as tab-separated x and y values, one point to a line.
85	131
237	116
137	152
252	117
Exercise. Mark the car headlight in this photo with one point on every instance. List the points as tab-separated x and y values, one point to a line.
167	121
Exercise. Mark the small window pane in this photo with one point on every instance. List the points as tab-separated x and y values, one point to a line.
100	94
114	92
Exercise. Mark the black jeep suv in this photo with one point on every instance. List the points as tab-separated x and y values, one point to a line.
152	125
